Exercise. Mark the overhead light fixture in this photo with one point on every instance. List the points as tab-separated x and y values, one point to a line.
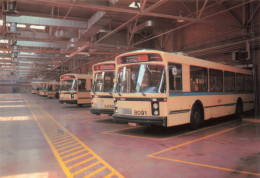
38	27
21	26
27	53
3	41
180	20
135	5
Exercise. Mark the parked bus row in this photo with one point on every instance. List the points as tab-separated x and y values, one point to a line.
159	88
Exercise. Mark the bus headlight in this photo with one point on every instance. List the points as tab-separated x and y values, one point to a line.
155	105
72	96
156	112
116	111
116	104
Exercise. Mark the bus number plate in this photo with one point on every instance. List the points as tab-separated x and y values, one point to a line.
140	113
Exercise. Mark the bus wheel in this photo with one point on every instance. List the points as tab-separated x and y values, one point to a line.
239	109
79	105
196	118
57	95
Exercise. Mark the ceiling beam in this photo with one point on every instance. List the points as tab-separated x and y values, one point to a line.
44	21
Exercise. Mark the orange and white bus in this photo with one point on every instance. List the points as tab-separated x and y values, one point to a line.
43	89
75	89
52	90
102	99
169	89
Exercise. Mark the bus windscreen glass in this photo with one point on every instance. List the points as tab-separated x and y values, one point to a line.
141	78
103	82
69	85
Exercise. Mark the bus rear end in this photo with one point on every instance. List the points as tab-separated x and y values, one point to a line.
101	95
140	89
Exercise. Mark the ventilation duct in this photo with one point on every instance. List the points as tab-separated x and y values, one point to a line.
10	7
144	26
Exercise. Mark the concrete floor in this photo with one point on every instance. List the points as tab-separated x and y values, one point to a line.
41	138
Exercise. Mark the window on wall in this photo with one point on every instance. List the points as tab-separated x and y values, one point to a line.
82	84
249	84
198	79
240	82
215	80
229	81
175	76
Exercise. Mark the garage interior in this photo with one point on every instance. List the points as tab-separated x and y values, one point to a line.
43	39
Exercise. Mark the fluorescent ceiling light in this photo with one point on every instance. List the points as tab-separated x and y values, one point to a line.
21	26
38	27
5	58
26	62
6	63
3	41
26	53
134	5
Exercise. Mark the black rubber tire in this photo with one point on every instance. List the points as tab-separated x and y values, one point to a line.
239	110
195	118
57	95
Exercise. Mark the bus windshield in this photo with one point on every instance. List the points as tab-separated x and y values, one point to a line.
103	82
69	85
141	78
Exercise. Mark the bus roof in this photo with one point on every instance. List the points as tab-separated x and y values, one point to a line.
105	62
79	75
184	59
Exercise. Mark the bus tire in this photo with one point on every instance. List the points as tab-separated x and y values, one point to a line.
196	117
239	109
57	95
79	105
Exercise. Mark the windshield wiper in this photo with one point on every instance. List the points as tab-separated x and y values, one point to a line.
143	93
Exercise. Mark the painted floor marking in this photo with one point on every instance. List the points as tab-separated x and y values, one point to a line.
112	132
72	155
153	155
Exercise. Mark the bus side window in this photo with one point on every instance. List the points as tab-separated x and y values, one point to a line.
82	84
198	79
249	84
215	80
175	76
229	81
240	82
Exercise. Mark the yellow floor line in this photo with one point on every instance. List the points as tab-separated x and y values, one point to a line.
74	153
85	168
64	144
69	146
82	162
200	164
95	172
52	141
80	156
202	138
206	165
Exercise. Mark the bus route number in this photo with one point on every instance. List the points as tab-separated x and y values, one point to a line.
140	113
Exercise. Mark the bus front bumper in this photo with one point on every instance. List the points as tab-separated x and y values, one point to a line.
141	120
101	111
68	101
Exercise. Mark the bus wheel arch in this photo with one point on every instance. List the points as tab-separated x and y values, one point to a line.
197	115
239	108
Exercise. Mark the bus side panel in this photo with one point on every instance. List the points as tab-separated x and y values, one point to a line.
214	106
103	103
83	97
